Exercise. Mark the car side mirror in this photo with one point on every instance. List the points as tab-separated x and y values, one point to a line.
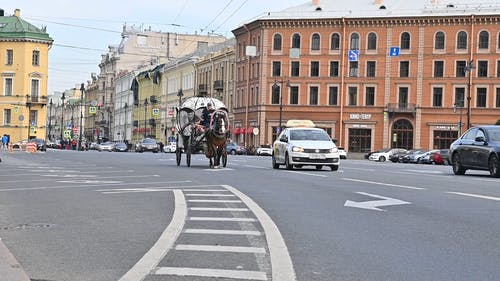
334	141
284	138
479	139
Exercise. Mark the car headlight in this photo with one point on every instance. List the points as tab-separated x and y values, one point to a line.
333	150
297	149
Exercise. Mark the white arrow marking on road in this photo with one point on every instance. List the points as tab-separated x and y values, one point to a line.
372	205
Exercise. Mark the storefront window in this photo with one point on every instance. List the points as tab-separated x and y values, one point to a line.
443	139
360	140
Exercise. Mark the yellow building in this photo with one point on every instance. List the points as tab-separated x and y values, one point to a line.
24	51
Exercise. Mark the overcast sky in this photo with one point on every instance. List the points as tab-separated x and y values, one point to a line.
82	30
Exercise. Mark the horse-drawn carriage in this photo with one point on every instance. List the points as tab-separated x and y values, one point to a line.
193	137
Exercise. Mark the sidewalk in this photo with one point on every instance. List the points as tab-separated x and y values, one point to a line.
10	269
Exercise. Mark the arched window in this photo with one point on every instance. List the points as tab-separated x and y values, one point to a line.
462	40
296	41
277	42
498	44
402	134
315	42
439	41
354	41
335	42
372	41
484	40
405	41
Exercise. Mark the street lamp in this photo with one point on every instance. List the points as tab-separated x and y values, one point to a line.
145	113
62	116
51	104
468	69
460	105
180	94
277	87
125	124
82	90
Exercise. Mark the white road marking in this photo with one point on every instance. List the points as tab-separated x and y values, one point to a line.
218	169
258	167
151	259
220	273
219	209
476	196
280	258
359	169
222	231
221	219
215	201
385	184
210	195
307	174
84	185
211	248
374	204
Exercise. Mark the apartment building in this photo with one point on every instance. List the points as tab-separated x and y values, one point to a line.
373	74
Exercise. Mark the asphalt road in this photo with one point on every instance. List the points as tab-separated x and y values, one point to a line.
100	216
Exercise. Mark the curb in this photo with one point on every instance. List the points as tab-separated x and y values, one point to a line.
10	269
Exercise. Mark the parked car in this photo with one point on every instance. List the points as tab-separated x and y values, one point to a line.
120	147
385	154
170	147
398	157
20	144
438	159
477	149
426	157
233	148
342	153
105	146
265	150
40	144
414	156
147	144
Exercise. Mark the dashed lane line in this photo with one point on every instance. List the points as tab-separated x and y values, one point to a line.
384	184
476	196
307	174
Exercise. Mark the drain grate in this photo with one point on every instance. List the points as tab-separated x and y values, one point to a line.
27	226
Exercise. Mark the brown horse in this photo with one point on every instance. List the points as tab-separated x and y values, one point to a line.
216	137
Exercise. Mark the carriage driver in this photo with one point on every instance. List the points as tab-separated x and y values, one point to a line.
207	115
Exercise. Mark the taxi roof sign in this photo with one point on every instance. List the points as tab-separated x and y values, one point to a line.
300	123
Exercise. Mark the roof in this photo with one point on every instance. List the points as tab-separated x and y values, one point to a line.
14	28
384	9
195	103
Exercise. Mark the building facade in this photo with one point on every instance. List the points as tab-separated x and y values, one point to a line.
410	76
24	53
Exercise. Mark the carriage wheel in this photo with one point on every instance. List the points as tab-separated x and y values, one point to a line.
188	152
224	158
178	156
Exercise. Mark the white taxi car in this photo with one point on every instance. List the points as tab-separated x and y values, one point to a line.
301	144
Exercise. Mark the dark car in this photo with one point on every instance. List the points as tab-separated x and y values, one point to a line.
477	149
120	147
40	144
147	144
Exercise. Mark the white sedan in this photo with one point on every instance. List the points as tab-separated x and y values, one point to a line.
265	150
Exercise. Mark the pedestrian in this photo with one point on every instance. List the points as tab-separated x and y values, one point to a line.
5	142
161	146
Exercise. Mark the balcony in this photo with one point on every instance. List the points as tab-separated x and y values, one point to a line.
401	108
219	85
36	100
203	88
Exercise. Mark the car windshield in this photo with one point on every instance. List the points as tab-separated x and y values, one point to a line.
310	135
494	134
149	141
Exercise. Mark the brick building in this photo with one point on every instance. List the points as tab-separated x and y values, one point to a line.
374	74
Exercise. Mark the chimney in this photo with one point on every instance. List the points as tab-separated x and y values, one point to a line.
17	13
315	2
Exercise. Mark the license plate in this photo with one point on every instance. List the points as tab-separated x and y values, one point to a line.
317	156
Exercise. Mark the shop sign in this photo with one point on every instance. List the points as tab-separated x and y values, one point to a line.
360	116
360	126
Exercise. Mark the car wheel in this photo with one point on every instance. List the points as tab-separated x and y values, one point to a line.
233	152
319	167
334	167
381	159
287	163
494	164
275	165
458	169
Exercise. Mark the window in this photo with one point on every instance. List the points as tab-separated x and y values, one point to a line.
372	41
371	68
439	68
353	69
482	68
497	98
354	41
295	71
481	97
370	96
8	87
276	68
315	42
460	69
437	97
36	58
334	69
7	117
296	41
313	95
333	92
10	57
439	41
35	88
33	117
498	43
404	69
403	97
462	40
459	97
335	42
294	95
405	41
315	69
353	96
277	42
275	96
498	68
484	40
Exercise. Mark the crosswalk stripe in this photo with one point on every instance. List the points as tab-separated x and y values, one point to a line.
222	231
214	201
211	248
222	219
219	209
207	272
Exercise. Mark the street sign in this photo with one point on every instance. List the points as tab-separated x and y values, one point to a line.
67	134
353	55
93	109
394	52
16	109
156	111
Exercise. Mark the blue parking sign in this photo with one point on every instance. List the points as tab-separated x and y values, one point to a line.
353	55
394	52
